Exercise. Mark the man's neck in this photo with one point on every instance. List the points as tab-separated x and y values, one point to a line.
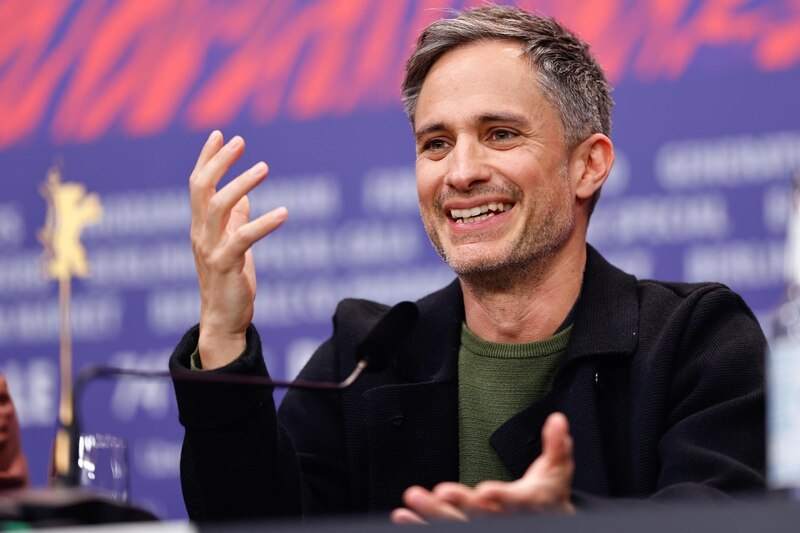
533	307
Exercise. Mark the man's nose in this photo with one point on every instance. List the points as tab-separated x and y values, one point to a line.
467	165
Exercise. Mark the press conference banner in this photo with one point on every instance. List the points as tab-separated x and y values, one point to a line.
121	95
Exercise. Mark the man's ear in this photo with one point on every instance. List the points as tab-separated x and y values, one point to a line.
593	159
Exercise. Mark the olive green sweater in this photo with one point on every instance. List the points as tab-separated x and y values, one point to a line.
495	382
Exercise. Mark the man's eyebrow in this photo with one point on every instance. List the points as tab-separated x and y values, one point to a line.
506	118
422	132
510	118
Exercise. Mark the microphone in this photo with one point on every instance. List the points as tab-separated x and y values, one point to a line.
373	353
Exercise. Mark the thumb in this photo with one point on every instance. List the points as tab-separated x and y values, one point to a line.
546	485
556	445
556	440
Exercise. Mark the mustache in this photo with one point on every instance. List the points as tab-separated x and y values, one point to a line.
508	190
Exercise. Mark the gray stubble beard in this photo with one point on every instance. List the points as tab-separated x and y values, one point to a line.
529	259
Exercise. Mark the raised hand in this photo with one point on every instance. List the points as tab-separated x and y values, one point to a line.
545	487
222	234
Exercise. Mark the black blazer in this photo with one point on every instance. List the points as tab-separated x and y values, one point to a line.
663	385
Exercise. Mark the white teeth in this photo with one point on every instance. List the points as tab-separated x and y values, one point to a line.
478	213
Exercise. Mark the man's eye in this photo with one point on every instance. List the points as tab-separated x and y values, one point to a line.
435	145
502	135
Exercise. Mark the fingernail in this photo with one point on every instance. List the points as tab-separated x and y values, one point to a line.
213	136
259	168
235	143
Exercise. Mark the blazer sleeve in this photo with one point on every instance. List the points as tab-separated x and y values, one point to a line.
714	431
701	413
238	461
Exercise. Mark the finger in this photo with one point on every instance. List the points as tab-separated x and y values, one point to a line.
248	234
504	497
528	496
204	183
555	440
465	499
211	147
240	214
221	203
551	473
429	507
401	515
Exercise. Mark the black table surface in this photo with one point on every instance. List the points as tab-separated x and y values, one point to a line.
775	513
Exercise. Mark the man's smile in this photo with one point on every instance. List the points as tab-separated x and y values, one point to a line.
479	212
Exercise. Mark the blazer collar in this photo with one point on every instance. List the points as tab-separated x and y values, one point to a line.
606	319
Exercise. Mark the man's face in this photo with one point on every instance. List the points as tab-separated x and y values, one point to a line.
491	163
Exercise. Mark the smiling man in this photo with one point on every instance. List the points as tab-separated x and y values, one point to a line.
543	378
503	199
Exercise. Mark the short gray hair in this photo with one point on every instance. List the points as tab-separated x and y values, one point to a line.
568	74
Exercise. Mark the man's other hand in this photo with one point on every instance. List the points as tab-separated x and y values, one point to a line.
545	487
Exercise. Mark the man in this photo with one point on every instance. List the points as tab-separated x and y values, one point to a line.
542	379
